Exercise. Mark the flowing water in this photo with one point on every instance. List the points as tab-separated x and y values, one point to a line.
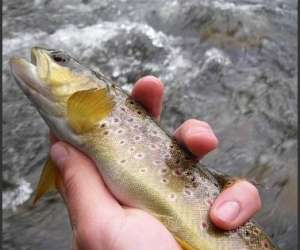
230	63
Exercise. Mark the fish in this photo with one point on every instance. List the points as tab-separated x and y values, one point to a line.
142	165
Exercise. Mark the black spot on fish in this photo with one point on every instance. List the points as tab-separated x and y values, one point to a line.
164	180
188	192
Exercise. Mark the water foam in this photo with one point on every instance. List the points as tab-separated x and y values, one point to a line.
13	198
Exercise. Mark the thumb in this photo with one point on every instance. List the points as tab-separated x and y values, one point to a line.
84	192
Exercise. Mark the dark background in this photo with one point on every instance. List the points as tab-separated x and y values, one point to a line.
230	63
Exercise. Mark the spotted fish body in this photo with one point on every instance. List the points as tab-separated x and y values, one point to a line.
154	173
146	168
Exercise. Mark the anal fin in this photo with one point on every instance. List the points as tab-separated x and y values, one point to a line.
49	180
183	244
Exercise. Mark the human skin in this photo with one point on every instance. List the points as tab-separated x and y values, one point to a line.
100	222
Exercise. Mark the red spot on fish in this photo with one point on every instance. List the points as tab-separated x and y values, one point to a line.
209	202
266	245
178	172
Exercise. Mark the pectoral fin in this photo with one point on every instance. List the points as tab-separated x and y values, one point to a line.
87	107
48	180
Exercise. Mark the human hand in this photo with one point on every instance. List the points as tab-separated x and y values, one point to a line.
99	221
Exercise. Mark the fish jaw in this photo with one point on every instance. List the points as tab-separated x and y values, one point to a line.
26	76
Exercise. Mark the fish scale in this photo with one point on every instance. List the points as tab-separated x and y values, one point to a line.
140	163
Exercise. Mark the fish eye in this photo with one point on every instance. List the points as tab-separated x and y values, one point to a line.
59	58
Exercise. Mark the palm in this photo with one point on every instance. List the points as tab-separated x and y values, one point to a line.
136	229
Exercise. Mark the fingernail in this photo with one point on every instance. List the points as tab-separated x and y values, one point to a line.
197	130
228	211
59	153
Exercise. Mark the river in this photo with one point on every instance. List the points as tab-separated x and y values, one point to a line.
231	63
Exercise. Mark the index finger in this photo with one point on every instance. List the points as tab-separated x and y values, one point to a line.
149	92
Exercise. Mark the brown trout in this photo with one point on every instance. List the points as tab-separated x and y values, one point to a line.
140	163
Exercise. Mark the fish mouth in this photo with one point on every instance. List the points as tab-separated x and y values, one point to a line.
26	74
28	78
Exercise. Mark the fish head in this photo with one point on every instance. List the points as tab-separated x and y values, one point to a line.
52	77
70	97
